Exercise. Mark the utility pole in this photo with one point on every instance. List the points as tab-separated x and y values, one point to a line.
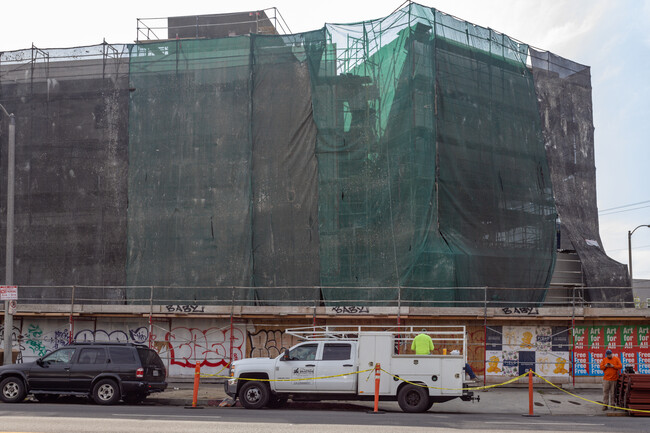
629	250
9	263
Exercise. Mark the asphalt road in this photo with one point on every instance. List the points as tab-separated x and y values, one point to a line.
80	417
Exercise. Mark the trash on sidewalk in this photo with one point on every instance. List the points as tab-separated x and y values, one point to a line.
227	402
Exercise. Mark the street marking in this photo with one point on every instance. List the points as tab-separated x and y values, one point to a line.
128	415
540	423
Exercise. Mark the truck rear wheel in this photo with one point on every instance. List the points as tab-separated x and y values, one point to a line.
254	394
413	398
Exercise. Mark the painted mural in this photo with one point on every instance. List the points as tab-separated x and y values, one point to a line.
513	350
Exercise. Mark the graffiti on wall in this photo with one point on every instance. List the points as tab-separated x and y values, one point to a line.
208	346
180	347
138	335
268	343
15	337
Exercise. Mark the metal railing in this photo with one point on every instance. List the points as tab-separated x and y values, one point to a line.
151	29
522	299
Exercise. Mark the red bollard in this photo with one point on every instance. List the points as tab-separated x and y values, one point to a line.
195	394
530	394
377	373
197	375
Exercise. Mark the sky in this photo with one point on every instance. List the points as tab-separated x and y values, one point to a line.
610	36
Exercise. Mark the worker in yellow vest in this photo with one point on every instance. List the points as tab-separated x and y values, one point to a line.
422	344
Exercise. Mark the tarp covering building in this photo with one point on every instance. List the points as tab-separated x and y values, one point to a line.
400	157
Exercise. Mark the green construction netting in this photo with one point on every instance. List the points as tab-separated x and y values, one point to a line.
395	158
432	167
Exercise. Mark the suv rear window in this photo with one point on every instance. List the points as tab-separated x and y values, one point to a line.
121	355
149	357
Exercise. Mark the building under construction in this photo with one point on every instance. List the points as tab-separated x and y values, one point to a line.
224	171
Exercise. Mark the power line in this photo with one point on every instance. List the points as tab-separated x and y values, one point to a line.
625	205
625	249
625	210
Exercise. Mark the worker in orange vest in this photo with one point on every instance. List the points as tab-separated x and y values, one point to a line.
610	365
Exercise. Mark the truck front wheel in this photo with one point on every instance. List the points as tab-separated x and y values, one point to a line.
254	395
413	398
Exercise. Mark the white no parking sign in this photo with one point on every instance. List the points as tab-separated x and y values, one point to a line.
8	293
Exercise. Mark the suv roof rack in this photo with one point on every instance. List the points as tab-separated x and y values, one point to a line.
105	343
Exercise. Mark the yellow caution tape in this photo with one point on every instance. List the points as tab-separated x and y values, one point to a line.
426	386
586	399
293	380
215	374
457	389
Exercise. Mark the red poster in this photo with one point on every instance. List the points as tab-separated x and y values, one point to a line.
643	335
580	351
596	339
612	340
628	338
643	358
580	337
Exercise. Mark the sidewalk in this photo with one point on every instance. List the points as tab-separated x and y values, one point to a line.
504	400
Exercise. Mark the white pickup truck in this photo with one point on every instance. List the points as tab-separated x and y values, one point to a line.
303	372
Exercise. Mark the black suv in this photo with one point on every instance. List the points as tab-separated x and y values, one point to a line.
107	372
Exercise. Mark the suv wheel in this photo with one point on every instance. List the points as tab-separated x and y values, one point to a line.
106	391
12	390
254	395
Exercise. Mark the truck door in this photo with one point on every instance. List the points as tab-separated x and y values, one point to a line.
301	365
337	358
375	347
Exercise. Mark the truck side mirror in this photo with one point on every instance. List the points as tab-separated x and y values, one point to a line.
286	356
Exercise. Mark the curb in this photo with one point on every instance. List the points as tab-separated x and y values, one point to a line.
186	402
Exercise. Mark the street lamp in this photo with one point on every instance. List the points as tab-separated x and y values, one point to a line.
9	263
629	246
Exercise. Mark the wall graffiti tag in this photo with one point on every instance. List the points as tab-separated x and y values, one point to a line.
352	309
268	343
139	335
185	308
210	347
88	335
34	340
15	336
527	311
